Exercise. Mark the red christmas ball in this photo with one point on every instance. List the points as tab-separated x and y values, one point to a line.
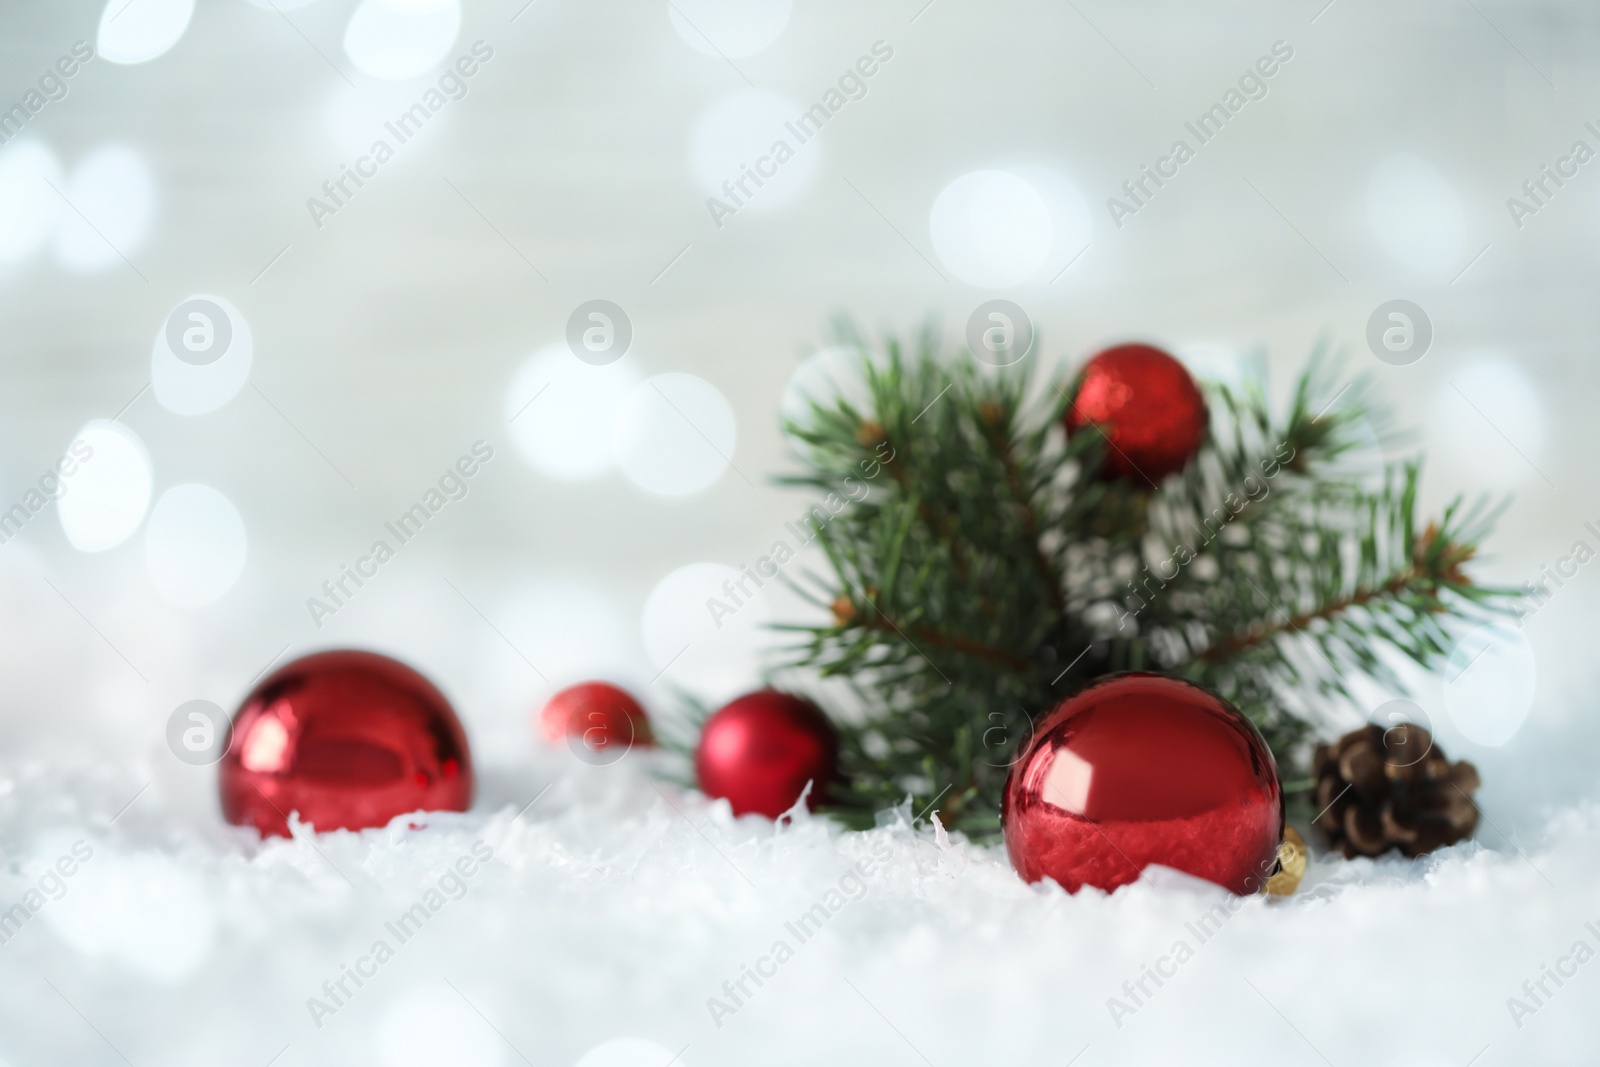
1139	769
597	719
761	750
1148	407
347	739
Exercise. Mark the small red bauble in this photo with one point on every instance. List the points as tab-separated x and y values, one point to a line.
347	739
1147	405
1140	769
761	750
602	718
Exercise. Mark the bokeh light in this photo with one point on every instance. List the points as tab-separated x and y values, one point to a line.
991	228
674	434
734	135
560	411
700	648
137	31
107	497
116	193
1071	220
217	352
1489	425
1491	680
397	39
29	207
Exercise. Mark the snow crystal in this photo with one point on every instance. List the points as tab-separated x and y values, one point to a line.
598	916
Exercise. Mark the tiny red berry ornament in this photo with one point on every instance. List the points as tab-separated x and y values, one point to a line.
760	751
1147	405
347	739
1140	769
600	722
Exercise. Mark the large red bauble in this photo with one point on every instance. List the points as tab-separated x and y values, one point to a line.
761	750
1140	769
1147	405
604	718
347	739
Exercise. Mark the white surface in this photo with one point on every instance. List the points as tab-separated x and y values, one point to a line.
610	911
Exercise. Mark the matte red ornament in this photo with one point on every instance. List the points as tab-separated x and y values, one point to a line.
1147	405
604	719
760	751
347	739
1140	769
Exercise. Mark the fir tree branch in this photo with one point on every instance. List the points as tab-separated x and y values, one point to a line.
992	417
948	642
1233	644
936	518
992	547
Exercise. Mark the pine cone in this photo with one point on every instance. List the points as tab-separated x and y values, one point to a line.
1378	790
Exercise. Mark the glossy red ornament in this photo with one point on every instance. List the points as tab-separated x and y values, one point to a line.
760	751
1147	405
347	739
1139	769
598	715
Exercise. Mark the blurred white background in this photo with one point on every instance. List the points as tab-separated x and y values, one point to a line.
371	346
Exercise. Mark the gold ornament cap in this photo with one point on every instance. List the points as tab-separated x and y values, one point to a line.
1293	858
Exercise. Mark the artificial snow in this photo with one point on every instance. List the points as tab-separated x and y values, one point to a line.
602	917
